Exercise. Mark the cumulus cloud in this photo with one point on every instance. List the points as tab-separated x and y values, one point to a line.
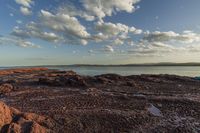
111	29
108	48
118	41
146	48
185	37
99	8
160	47
69	26
135	31
25	11
102	8
164	43
25	3
64	27
17	42
25	6
47	36
17	32
118	33
99	37
33	31
71	10
25	44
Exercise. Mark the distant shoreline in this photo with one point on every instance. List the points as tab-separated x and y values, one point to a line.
111	65
125	65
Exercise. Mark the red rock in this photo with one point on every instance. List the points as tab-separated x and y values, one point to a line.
21	70
5	115
6	88
13	121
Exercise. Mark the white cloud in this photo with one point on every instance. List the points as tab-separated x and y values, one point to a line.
25	7
111	29
25	11
64	27
26	44
185	37
102	8
99	37
118	41
99	8
117	34
73	11
18	42
108	48
61	29
69	26
17	32
33	31
47	36
165	43
135	31
24	3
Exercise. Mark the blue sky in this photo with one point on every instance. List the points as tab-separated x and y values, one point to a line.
61	32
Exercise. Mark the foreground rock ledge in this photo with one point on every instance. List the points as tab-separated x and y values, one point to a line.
63	101
13	121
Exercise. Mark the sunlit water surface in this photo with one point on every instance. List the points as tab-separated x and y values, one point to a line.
191	71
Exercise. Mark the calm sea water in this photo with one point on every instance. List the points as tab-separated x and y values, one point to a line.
192	71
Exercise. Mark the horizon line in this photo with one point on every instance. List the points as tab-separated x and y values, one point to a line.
130	64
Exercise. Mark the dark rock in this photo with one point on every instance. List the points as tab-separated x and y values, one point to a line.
73	81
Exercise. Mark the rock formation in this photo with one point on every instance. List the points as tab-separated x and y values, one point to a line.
13	121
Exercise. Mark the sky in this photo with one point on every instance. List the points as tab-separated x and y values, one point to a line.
63	32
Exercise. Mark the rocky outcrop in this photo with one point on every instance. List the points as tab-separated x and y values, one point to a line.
104	103
64	80
6	88
11	120
21	70
5	115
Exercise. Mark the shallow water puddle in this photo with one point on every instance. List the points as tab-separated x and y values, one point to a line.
154	111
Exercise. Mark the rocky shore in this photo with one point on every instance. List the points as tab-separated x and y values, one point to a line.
38	100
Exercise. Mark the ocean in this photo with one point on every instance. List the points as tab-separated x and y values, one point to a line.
191	71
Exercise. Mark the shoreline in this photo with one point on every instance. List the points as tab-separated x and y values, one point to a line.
32	69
